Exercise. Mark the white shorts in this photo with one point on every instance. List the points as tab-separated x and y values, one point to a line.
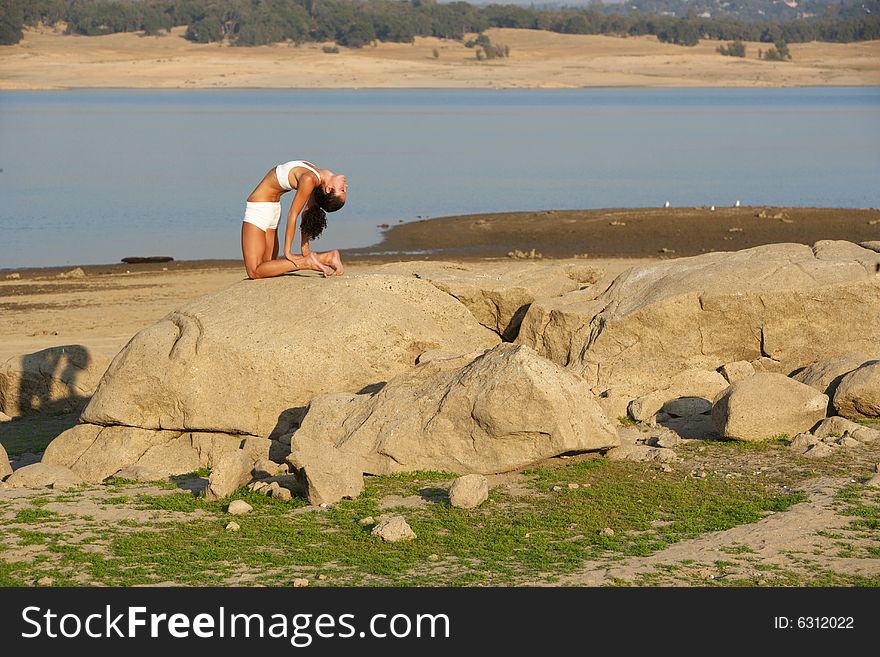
263	215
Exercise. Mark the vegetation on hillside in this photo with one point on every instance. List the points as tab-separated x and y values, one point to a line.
356	23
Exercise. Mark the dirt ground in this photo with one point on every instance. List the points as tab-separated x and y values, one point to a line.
48	59
630	233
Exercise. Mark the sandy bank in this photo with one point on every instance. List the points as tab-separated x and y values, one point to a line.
47	59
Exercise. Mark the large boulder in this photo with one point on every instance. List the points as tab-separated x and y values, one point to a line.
505	409
95	453
858	395
54	380
42	475
779	306
235	361
825	375
767	405
499	294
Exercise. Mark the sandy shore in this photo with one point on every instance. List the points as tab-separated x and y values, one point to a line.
47	59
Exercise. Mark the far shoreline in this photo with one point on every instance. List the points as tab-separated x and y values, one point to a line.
48	60
608	233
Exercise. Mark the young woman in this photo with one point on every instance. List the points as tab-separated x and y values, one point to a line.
317	191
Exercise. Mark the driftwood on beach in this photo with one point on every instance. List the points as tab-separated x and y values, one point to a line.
137	260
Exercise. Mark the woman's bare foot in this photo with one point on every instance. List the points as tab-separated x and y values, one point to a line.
336	263
312	262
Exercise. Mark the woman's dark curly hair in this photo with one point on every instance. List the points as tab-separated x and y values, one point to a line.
314	219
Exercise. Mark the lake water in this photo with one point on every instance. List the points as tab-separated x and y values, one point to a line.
92	176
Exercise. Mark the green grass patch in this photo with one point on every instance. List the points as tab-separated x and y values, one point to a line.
508	540
35	515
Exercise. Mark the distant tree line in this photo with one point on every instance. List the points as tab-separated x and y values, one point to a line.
356	23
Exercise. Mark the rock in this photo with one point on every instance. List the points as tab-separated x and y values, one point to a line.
664	439
573	486
281	493
239	508
96	452
736	371
847	441
440	416
802	442
469	491
258	486
369	520
266	468
498	295
873	245
819	450
783	304
42	475
688	393
77	272
300	582
14	276
858	395
839	426
767	405
5	468
556	489
4	417
178	373
329	474
686	407
53	380
231	472
607	531
393	529
45	581
233	527
140	473
825	375
641	453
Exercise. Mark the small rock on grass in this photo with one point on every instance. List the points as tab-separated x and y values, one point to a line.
45	581
233	527
556	489
239	507
281	493
469	491
819	450
369	520
607	531
300	582
393	529
573	486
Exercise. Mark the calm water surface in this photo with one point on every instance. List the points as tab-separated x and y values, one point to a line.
92	176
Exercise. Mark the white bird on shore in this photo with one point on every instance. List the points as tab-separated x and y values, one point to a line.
736	205
666	205
712	209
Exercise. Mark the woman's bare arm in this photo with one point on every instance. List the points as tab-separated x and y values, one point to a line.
304	190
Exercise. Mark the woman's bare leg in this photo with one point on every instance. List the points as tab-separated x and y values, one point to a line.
258	248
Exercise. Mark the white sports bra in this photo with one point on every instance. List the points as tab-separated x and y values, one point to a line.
282	172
